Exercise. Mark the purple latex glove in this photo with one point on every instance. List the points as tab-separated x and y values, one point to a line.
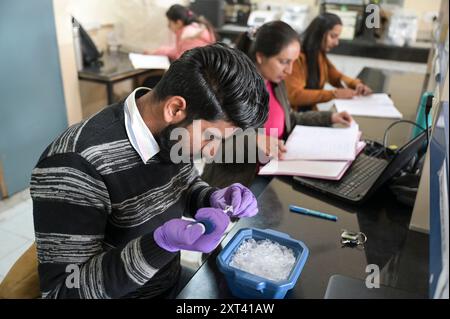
178	234
207	242
237	196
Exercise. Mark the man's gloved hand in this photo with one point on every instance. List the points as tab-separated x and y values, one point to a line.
178	234
237	196
219	220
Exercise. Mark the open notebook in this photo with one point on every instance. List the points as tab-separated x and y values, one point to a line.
374	105
323	143
331	170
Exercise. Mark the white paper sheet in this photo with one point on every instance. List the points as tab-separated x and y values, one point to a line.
331	170
322	143
315	169
144	61
375	105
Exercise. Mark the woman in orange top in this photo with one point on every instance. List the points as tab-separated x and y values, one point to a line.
313	69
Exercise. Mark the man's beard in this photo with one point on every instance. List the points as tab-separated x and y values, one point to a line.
166	144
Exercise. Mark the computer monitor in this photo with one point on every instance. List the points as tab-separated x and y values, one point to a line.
212	10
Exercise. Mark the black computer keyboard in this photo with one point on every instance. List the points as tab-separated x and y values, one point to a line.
364	169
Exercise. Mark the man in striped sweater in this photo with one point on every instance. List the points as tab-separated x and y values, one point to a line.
107	198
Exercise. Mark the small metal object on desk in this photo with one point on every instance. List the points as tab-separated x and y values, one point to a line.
353	239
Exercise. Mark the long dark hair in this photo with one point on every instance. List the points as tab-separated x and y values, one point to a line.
312	41
187	16
269	39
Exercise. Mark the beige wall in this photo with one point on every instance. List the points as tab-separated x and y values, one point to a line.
423	9
420	7
312	3
138	25
143	24
98	18
96	14
67	61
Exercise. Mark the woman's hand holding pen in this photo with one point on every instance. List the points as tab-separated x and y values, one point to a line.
344	93
362	89
341	118
271	146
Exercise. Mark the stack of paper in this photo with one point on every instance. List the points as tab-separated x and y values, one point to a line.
144	61
318	152
374	105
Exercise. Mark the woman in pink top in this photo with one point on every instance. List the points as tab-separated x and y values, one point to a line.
190	32
273	48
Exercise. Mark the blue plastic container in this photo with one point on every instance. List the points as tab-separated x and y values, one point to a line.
245	285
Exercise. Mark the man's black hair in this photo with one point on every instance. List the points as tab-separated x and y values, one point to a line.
218	83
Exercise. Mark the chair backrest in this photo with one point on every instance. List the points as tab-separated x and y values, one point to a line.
22	281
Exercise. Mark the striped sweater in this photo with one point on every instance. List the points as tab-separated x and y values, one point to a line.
96	205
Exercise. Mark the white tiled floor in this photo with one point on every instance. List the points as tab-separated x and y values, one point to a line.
16	229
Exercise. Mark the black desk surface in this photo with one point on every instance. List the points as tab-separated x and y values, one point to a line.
377	49
401	254
115	66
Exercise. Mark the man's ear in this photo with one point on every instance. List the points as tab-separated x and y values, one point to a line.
174	109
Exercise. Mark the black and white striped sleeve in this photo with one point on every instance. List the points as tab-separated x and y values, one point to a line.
198	194
70	206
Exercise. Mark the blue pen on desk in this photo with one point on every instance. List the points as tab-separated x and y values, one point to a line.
310	212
